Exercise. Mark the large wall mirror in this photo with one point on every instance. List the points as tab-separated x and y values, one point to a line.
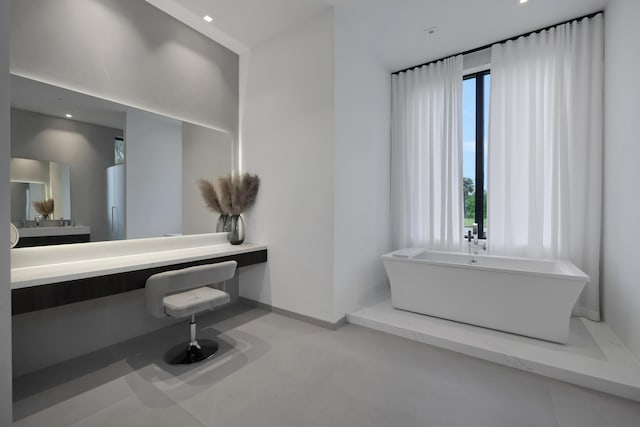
123	172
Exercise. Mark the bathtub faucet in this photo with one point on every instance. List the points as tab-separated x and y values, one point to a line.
474	244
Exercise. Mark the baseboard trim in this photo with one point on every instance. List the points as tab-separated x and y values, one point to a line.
292	314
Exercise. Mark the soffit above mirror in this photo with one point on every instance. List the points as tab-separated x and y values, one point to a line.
32	95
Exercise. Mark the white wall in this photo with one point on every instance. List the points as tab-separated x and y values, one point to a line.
126	51
287	139
316	131
153	177
206	154
362	161
5	287
621	207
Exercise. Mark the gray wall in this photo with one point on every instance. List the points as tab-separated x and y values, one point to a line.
5	288
87	148
206	153
126	51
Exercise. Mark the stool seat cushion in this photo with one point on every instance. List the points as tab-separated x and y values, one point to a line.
185	304
174	282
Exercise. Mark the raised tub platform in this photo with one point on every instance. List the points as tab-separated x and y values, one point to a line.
594	357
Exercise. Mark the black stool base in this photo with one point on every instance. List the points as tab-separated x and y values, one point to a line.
186	354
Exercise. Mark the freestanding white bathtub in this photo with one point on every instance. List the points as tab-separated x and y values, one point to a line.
524	296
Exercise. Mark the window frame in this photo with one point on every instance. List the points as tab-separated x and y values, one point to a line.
480	127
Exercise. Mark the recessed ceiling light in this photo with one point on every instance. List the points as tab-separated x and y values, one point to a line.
523	1
68	116
209	19
431	31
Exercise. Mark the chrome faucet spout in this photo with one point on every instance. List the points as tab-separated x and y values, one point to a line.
475	246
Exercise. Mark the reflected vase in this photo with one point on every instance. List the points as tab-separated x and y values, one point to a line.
224	224
236	232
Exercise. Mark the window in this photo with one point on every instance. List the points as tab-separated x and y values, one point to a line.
118	149
475	133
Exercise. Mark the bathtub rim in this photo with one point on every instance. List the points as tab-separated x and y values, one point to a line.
575	275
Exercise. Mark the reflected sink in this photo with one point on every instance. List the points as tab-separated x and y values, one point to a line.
44	223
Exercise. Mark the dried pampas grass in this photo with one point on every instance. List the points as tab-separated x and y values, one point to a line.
225	191
210	196
234	194
44	207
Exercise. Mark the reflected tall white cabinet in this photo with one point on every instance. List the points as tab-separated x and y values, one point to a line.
116	202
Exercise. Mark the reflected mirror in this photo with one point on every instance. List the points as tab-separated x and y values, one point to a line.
130	173
34	181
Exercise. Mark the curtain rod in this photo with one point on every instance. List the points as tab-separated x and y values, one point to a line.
486	46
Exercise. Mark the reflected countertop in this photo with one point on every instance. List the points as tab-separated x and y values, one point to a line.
66	230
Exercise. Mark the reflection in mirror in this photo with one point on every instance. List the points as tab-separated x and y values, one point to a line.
23	194
34	181
149	189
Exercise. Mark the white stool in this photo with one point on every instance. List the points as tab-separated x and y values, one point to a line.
186	292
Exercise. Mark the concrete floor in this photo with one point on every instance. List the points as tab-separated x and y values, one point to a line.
276	371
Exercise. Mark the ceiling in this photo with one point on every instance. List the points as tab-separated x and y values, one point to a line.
253	21
394	29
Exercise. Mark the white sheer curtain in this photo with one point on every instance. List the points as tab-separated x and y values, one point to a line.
545	149
426	160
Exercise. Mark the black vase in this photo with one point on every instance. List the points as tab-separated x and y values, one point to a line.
236	232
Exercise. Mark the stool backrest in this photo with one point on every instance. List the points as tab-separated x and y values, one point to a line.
174	281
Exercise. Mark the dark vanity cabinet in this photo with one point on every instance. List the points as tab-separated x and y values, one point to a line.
27	242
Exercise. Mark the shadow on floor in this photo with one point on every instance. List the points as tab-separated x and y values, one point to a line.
140	362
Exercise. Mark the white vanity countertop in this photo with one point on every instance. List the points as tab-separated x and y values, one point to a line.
54	264
67	230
